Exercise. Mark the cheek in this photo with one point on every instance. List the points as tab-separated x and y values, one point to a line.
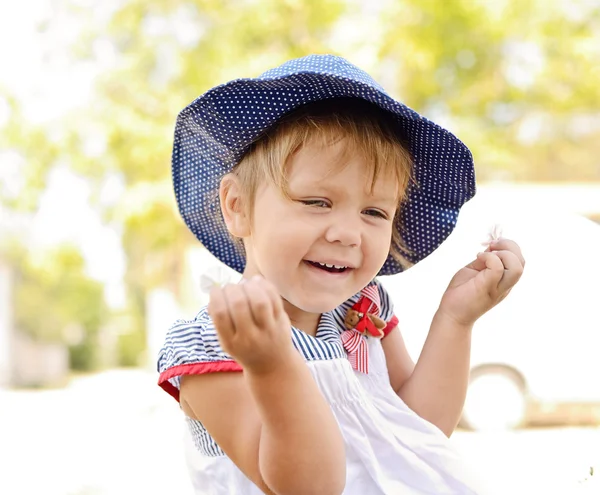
379	244
279	218
276	229
266	213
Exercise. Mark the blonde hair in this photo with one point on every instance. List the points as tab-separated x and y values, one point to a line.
368	130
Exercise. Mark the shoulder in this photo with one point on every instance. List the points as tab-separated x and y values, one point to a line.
188	337
386	305
191	347
182	330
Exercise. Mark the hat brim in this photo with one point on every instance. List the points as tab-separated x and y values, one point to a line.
215	131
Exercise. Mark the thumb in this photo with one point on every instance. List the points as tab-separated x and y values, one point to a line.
479	263
493	268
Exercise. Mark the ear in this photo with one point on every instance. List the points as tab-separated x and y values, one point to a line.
233	205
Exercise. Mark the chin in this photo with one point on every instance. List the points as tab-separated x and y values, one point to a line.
318	305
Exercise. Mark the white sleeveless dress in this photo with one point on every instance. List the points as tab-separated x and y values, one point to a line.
389	449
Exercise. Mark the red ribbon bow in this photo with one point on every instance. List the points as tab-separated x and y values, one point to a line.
354	340
365	325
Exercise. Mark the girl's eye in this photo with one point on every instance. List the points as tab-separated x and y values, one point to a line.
376	213
319	203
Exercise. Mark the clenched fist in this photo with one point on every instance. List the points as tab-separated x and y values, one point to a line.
252	324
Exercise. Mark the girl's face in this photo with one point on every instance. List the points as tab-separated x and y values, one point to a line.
330	239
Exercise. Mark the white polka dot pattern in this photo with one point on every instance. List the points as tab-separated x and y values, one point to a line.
215	130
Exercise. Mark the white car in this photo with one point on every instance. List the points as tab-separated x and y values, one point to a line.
541	344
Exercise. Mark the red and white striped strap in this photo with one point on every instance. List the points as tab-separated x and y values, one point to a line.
371	292
358	352
354	341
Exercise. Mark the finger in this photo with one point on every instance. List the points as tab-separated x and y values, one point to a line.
219	312
508	245
477	264
513	269
485	259
490	270
273	294
494	270
261	306
238	307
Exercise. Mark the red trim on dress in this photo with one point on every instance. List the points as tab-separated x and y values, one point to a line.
393	323
193	369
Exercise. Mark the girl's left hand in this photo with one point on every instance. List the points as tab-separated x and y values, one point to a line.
483	283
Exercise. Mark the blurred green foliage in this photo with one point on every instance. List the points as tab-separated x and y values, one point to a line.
54	301
517	81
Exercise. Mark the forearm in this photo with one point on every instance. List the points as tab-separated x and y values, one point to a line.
436	389
301	448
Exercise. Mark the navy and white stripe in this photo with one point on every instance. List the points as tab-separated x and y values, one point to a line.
202	440
196	342
189	342
386	308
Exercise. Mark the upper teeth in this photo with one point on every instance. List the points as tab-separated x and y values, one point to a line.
330	266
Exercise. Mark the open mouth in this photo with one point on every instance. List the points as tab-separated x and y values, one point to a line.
328	268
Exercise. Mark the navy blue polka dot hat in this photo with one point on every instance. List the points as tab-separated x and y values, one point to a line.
214	132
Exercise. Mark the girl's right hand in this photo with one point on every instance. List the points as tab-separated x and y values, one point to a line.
252	325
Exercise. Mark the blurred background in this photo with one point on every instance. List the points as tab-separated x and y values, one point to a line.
95	263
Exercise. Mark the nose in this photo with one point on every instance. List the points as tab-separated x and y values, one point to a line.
345	229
